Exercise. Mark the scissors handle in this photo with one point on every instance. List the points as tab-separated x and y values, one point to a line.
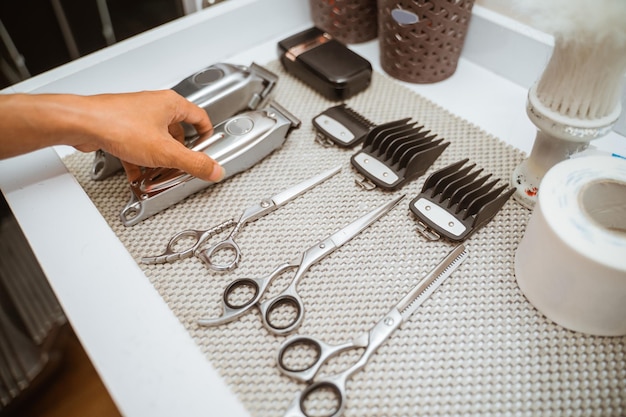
297	346
283	313
252	289
336	384
196	238
333	387
171	254
227	245
289	299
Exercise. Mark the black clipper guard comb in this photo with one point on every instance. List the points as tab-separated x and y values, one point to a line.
394	153
455	202
342	126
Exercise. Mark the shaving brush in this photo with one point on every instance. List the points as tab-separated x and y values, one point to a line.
577	98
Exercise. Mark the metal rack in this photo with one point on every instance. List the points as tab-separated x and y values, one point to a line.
32	322
14	66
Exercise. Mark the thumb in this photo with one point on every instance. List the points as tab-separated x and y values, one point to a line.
201	165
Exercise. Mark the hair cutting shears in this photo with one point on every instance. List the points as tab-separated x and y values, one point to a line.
198	237
370	341
273	309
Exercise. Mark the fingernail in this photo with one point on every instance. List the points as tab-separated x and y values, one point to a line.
218	173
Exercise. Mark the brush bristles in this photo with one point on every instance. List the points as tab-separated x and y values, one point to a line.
583	80
596	21
584	77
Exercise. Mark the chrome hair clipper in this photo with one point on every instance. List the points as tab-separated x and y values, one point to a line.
223	90
236	144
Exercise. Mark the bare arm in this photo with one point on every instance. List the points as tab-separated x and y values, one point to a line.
142	129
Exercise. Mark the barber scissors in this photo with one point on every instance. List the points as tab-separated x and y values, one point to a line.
288	299
369	341
198	237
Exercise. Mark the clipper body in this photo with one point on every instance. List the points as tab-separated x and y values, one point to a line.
222	90
236	144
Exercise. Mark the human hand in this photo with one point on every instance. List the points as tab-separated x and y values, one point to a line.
143	130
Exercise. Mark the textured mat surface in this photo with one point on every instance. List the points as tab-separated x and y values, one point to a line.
475	347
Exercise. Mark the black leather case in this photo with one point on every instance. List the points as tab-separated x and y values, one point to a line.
325	64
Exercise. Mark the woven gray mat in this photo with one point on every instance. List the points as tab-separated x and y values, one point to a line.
475	347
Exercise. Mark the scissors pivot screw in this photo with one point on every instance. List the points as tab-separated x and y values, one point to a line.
389	321
265	203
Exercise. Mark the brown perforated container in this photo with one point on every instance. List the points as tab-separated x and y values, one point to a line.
421	40
348	21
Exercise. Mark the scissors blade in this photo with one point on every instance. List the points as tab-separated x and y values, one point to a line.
293	192
344	235
431	281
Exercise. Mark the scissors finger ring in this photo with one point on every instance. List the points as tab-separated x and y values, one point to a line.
301	357
228	245
250	214
241	295
283	313
324	398
198	237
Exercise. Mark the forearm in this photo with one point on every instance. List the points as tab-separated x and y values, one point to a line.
31	122
140	128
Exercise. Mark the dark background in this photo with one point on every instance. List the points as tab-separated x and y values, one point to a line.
36	33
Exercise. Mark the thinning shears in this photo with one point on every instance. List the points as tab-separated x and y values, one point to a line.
284	313
368	341
198	237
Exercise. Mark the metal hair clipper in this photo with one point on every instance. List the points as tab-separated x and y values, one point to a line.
223	90
236	144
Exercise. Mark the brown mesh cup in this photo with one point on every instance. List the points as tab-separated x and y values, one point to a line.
348	21
421	40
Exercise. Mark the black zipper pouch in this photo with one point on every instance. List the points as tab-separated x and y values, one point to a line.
325	64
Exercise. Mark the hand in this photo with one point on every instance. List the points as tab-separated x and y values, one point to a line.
143	129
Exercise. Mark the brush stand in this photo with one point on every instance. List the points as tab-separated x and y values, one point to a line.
558	138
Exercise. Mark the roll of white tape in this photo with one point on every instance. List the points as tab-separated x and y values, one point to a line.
571	262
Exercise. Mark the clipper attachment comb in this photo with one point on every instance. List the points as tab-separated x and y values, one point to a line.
456	201
342	126
394	153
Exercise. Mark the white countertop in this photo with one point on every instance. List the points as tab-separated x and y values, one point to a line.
145	357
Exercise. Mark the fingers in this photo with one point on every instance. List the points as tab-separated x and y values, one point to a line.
201	165
197	164
177	131
194	163
160	142
193	114
133	172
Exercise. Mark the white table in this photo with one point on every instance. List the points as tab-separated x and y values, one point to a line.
146	359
